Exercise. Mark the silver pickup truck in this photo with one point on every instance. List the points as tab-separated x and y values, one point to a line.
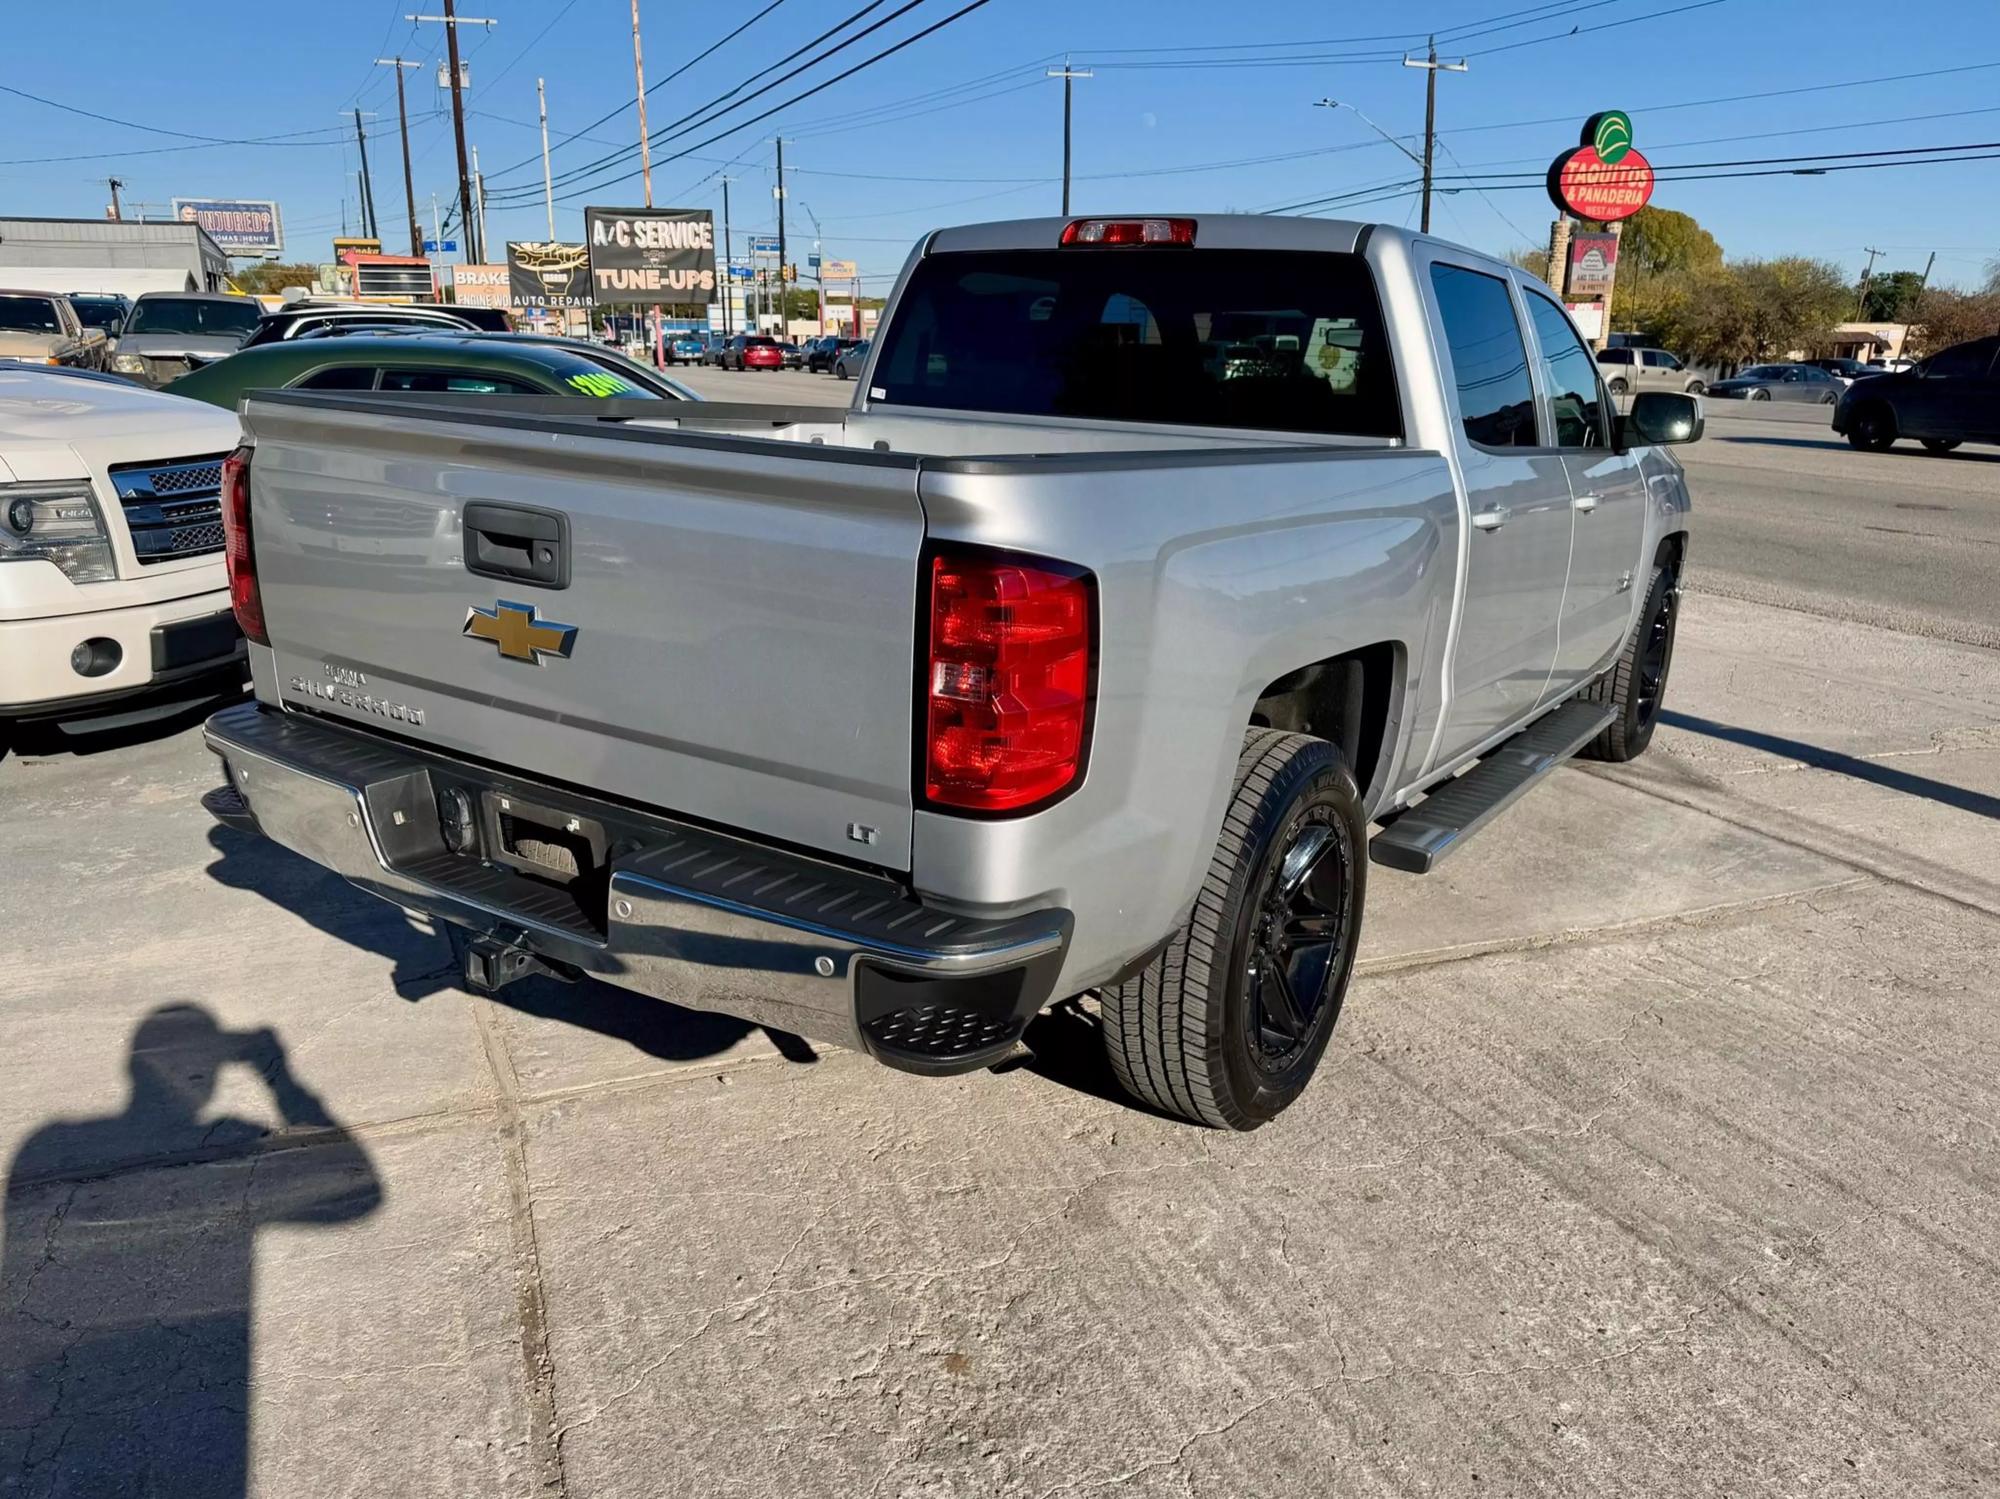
1154	561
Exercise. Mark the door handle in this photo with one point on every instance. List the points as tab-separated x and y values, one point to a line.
1492	518
517	544
1585	502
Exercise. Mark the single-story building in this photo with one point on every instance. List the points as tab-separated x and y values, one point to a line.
1866	341
109	255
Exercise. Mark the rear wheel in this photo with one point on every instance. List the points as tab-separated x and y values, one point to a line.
1228	1024
1828	399
1941	445
1695	388
1872	428
1637	684
1760	395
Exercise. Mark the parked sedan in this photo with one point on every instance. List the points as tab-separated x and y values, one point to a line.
1780	382
470	364
847	364
1949	398
1846	371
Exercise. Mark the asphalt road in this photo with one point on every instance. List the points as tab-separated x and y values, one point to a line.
1789	514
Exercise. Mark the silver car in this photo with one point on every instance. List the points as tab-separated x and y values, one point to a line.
1781	382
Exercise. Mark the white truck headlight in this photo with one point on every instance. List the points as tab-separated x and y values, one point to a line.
128	364
57	523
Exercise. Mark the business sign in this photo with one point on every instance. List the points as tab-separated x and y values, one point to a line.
548	273
838	270
1603	177
1593	263
1589	319
649	256
482	285
239	226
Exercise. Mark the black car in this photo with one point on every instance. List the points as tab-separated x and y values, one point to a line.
1949	398
102	309
321	319
822	351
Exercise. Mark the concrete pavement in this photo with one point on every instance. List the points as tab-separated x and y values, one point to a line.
1654	1155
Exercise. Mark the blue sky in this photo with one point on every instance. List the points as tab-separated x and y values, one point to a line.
963	126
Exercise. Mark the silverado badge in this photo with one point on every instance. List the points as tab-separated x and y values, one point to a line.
520	636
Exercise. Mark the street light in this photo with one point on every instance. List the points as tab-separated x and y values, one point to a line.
1343	104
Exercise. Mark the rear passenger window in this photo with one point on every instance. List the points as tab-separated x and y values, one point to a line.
1489	360
346	377
455	382
1571	376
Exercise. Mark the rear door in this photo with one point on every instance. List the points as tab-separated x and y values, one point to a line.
1955	396
1519	496
726	632
1607	499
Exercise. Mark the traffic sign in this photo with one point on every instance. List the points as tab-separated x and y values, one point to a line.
760	246
813	261
449	247
741	272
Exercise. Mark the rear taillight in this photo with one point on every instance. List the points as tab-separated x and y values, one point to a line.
238	551
1007	680
1092	232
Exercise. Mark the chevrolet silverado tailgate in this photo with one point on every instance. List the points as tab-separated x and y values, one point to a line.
719	628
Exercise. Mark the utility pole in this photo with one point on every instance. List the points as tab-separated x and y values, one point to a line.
452	21
479	197
784	313
117	212
369	225
1867	275
728	262
1069	76
1432	68
639	74
1925	280
403	121
548	185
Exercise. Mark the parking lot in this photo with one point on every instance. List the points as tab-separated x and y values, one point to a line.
1654	1153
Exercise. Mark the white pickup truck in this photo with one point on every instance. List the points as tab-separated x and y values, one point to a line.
1155	560
114	602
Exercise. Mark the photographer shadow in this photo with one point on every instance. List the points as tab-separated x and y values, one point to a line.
127	1276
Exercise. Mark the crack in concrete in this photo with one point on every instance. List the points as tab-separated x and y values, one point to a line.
530	1290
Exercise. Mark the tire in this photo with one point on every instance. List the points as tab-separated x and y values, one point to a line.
1696	388
1941	445
1617	387
1829	399
1760	395
1636	685
1872	428
1194	1033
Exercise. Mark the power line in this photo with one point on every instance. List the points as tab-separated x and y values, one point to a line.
662	83
868	62
720	104
1344	41
292	137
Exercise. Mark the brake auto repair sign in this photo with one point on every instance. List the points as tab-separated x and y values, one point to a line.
650	256
1603	177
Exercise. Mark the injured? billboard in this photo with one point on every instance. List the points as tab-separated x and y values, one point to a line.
642	257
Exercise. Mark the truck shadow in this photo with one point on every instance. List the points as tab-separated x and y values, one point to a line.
1901	450
424	965
150	720
128	1273
1874	772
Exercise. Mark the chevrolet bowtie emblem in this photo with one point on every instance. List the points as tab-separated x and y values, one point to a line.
520	636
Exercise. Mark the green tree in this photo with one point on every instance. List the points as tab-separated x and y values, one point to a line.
1534	259
1945	317
1891	296
1661	242
273	275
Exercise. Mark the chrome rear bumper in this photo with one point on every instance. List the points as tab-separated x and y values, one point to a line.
679	913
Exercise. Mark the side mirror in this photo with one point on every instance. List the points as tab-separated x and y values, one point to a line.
1659	418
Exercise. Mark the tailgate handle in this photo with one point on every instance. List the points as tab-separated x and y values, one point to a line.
517	544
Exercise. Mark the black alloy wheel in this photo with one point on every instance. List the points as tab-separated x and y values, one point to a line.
1299	938
1656	654
1872	428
